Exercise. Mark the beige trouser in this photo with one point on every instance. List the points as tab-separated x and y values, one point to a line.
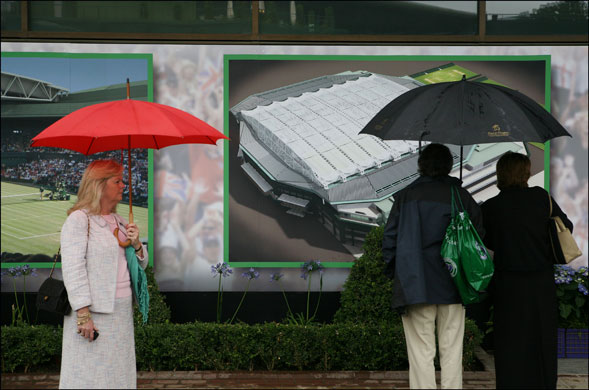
419	324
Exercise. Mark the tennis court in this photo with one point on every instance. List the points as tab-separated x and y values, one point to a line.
450	73
31	225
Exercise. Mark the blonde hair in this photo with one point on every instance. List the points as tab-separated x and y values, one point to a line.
92	185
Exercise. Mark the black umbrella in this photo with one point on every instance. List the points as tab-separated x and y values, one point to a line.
464	113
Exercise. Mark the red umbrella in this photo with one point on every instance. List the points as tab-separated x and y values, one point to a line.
126	124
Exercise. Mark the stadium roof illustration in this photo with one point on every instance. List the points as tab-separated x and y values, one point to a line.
39	98
306	135
17	87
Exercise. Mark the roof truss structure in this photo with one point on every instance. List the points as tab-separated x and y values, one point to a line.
16	87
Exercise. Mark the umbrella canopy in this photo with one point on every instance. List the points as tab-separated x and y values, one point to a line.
126	124
464	113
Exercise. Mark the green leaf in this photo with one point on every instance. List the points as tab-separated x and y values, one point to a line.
565	310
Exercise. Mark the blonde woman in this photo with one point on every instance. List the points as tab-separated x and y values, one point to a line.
99	286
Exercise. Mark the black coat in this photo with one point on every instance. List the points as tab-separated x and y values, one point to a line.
523	291
516	222
413	239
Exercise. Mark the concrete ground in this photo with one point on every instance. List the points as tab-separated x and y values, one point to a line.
572	373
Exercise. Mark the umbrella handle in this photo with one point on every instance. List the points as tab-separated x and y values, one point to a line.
124	244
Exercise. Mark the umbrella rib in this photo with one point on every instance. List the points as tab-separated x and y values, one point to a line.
155	142
89	146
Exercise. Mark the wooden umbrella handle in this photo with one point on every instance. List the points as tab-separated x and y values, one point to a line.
124	244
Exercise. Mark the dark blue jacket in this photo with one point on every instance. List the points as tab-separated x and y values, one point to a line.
413	238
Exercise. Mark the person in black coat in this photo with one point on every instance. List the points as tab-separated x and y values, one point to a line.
423	289
523	289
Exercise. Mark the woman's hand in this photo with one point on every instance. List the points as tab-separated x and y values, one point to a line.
133	235
86	326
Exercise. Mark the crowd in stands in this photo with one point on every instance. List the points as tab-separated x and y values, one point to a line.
22	148
48	171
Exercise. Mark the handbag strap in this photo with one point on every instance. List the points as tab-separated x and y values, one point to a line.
59	250
550	235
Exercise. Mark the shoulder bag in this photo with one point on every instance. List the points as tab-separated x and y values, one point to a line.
564	247
52	295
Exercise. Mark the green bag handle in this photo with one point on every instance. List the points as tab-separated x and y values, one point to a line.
460	201
458	196
453	203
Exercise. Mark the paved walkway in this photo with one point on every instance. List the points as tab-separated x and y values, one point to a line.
572	374
279	380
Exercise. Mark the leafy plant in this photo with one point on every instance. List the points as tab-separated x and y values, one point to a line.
571	292
307	271
30	347
222	270
212	346
276	277
19	312
367	292
250	275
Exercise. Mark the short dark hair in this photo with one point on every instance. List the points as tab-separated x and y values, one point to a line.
435	160
513	171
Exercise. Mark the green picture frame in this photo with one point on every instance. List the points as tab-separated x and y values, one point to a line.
230	59
144	60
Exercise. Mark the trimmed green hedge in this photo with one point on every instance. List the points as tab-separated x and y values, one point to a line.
30	347
367	292
211	346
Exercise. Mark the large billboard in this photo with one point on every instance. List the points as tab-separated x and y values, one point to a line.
207	209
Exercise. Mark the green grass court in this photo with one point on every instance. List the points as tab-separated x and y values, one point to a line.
452	73
31	225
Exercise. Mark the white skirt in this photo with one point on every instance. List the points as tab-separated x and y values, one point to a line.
106	363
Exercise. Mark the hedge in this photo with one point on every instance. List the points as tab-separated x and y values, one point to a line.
212	346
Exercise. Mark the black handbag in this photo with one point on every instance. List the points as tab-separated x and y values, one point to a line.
52	295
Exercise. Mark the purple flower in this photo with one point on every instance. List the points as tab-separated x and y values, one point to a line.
27	270
251	274
276	277
582	289
221	269
20	270
310	267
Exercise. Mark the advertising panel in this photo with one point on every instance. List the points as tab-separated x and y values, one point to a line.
208	208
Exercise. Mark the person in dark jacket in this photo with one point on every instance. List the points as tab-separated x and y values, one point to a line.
523	289
423	290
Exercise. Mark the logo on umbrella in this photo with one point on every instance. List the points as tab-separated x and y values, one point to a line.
497	132
381	125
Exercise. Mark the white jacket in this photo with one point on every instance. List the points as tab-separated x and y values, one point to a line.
90	276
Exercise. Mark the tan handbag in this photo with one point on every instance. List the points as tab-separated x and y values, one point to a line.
564	247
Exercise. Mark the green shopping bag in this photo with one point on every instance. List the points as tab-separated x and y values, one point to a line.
474	258
451	254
